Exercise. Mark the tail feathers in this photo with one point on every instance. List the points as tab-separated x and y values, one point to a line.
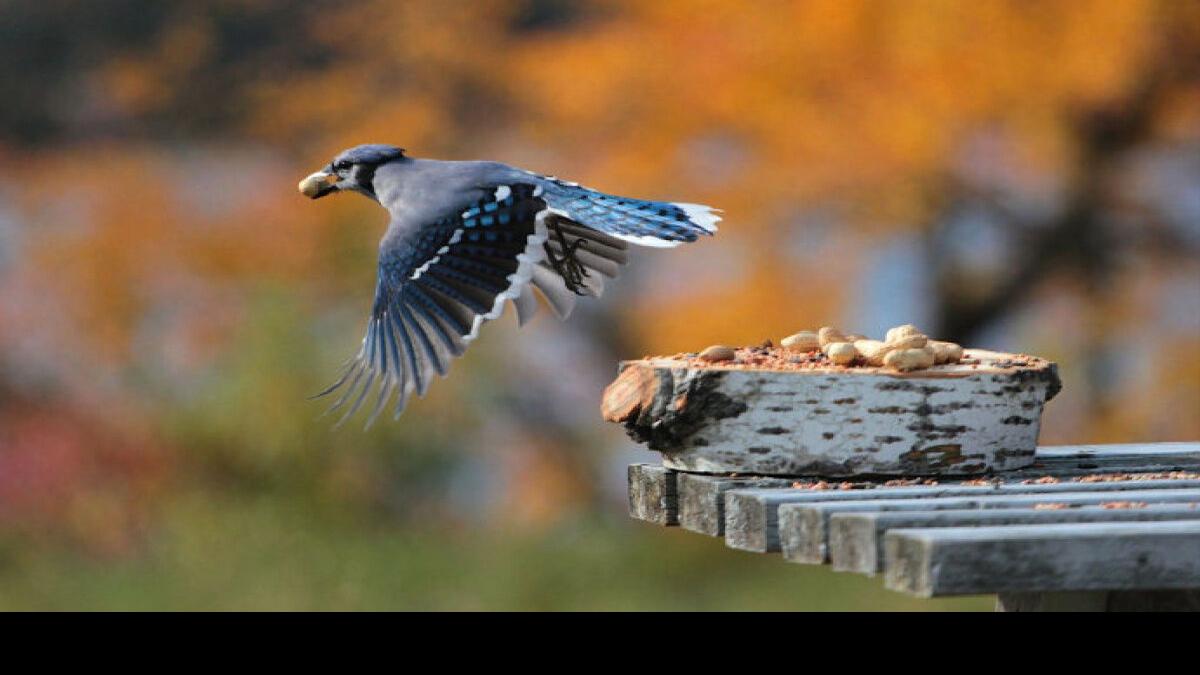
704	217
685	224
638	221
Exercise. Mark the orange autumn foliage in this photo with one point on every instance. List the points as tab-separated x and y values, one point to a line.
858	110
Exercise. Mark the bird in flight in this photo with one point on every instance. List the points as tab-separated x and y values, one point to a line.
465	239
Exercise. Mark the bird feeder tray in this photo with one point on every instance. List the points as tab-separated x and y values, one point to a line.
762	414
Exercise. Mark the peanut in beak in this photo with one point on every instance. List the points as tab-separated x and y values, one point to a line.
313	184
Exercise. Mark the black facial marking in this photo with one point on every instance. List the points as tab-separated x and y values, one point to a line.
365	176
358	164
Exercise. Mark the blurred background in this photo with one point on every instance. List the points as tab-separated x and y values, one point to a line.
1011	175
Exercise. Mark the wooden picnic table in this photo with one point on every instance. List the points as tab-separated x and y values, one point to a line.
1089	527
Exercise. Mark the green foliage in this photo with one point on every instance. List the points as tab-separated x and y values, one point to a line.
233	551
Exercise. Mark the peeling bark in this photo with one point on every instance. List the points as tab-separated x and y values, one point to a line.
967	418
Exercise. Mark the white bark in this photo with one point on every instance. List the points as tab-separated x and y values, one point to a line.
979	416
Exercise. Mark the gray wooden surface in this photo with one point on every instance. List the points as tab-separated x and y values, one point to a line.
752	516
1100	601
1059	557
805	527
856	539
652	494
1185	449
701	499
1071	488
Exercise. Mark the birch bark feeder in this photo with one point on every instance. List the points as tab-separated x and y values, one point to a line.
977	416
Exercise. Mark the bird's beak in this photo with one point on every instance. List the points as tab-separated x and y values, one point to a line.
318	185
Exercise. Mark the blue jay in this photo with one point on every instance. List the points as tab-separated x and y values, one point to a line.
465	239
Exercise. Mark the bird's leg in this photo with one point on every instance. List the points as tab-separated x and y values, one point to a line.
578	271
568	266
556	263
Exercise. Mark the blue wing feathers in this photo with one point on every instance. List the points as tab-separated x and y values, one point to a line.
435	282
454	321
357	369
485	277
458	294
441	277
411	355
389	334
366	388
436	325
430	351
636	219
410	350
492	284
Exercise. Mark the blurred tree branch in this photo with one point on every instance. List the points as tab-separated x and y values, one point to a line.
1078	239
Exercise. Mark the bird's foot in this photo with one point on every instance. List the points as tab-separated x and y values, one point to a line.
567	265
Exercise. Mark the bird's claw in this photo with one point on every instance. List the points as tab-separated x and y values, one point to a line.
567	265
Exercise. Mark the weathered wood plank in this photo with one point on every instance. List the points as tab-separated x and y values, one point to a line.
701	499
1079	467
805	527
652	494
1154	601
1080	460
856	539
701	496
751	515
1060	557
1100	601
1109	450
1066	601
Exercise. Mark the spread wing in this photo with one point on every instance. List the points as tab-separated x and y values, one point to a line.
439	281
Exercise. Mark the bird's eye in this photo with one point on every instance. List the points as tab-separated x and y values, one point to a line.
341	165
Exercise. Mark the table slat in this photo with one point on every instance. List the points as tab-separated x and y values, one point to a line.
805	527
856	539
701	499
652	494
751	516
1060	557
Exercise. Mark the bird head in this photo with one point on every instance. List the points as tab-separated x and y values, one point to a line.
352	169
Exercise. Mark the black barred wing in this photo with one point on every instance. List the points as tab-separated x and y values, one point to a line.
438	283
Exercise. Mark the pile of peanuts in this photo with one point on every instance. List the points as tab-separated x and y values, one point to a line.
904	348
